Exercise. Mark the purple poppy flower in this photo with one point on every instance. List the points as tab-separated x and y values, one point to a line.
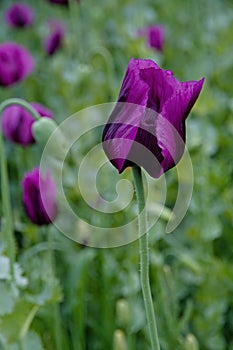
39	197
60	2
17	123
16	63
155	36
147	125
54	41
19	15
42	110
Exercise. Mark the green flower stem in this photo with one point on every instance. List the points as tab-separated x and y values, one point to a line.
144	259
22	103
6	208
5	193
106	56
25	327
57	326
56	310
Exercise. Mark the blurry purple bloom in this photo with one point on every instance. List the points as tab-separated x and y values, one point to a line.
147	125
16	63
19	15
60	2
39	197
155	36
17	123
42	110
54	41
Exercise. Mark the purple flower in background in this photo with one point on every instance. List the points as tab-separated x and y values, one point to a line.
17	123
42	110
54	41
19	15
155	36
39	197
60	2
16	63
147	125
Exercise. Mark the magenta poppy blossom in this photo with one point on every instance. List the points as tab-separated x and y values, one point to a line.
147	125
16	63
155	36
60	2
19	15
54	41
39	197
17	123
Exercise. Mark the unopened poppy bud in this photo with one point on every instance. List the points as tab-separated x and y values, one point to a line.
155	36
54	40
39	197
17	122
123	313
119	340
191	342
42	129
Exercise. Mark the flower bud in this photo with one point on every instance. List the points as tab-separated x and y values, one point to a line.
119	340
155	36
16	63
17	122
39	197
42	129
123	313
191	342
54	40
19	15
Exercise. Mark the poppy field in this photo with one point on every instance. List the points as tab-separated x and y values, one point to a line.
116	221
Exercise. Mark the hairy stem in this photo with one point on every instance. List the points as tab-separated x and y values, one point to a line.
5	192
144	259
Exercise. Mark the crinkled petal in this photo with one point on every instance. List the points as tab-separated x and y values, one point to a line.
126	117
178	106
171	123
42	110
120	133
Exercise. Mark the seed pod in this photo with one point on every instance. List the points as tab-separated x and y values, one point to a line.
123	313
119	340
191	342
42	129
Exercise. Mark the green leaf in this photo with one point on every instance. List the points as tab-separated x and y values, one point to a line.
5	272
33	341
7	300
11	324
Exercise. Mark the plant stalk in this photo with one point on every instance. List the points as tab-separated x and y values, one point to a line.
144	259
5	192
